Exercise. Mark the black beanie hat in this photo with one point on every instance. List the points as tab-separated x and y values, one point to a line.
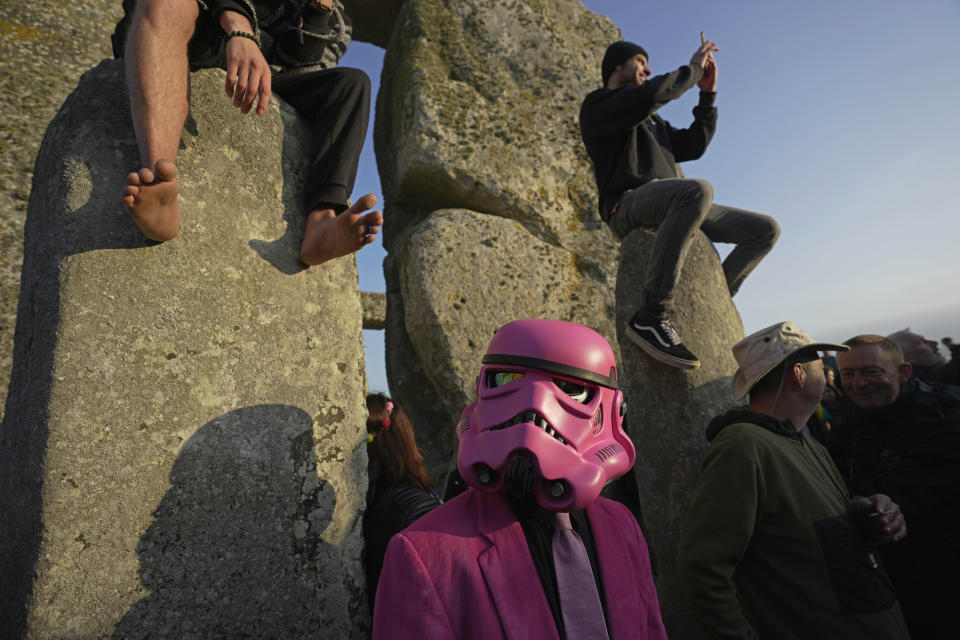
617	54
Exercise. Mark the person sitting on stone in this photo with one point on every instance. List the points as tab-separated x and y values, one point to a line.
401	490
530	550
903	439
266	46
773	545
635	154
925	358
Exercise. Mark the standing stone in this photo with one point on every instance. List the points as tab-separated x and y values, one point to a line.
183	450
373	20
478	111
374	309
466	274
412	385
44	49
669	408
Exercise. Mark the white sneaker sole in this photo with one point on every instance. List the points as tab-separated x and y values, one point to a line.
658	355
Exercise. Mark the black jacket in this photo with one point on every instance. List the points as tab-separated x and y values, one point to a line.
630	144
390	510
910	450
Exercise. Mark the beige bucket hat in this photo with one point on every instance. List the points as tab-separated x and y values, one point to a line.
759	353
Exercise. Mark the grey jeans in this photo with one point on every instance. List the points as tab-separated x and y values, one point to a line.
679	207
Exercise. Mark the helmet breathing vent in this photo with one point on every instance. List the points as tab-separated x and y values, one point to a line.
607	451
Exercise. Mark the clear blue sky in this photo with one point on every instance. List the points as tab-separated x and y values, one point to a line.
838	118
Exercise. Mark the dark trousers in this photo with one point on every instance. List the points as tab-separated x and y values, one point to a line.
679	207
337	104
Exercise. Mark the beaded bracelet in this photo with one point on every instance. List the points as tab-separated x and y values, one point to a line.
242	34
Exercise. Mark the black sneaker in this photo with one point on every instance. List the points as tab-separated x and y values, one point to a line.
655	334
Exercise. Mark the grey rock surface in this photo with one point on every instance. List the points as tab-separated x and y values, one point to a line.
465	273
411	383
374	309
478	109
477	112
373	20
462	275
668	408
183	445
44	48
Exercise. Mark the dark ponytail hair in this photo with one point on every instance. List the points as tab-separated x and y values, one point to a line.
394	445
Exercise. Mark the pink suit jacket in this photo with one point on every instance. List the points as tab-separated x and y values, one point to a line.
464	571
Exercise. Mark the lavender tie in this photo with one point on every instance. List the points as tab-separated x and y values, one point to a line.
579	600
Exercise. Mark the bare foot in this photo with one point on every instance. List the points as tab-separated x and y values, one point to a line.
151	199
330	236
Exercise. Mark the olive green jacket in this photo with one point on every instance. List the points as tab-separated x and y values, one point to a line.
769	548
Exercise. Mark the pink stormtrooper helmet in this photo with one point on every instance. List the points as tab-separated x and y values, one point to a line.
548	416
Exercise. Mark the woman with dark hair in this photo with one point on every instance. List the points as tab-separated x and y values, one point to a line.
400	488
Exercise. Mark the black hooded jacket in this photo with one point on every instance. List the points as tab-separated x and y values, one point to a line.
630	144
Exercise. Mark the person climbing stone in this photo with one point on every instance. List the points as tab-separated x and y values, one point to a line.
266	46
635	154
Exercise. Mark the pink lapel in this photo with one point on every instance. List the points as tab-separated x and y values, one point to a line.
508	570
625	576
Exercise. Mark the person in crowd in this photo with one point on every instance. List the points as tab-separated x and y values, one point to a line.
530	550
773	544
635	154
819	425
400	488
925	358
834	406
835	400
829	360
904	440
266	46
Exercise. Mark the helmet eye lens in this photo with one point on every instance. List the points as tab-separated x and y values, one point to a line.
576	391
499	378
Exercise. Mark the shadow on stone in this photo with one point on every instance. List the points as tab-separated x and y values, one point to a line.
284	252
114	330
234	545
87	215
